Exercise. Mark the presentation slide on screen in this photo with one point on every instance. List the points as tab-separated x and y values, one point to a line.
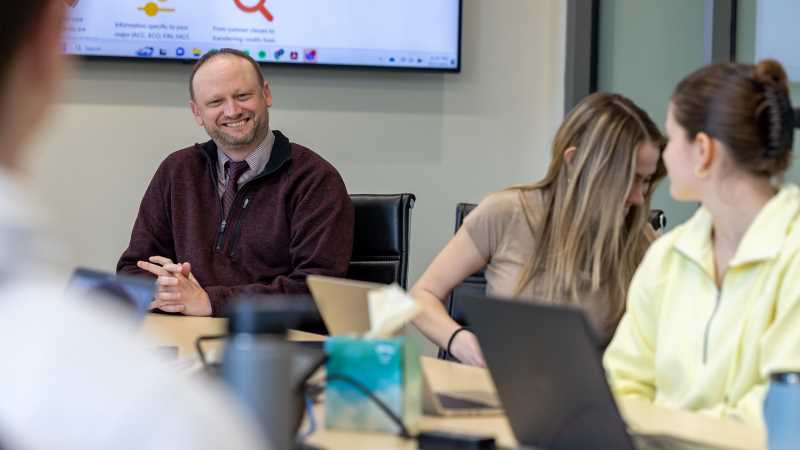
776	23
404	33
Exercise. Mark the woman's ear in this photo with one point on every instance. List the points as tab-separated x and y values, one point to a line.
569	155
704	155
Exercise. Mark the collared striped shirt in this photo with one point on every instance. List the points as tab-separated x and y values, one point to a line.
256	161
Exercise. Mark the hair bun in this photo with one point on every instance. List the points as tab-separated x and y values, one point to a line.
774	112
771	72
745	106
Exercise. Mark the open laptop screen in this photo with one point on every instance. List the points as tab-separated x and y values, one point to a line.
134	293
548	373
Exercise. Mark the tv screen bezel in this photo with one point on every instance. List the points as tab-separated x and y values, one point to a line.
191	61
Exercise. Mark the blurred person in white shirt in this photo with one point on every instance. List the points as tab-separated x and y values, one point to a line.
73	375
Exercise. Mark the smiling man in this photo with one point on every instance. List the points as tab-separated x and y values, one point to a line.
248	212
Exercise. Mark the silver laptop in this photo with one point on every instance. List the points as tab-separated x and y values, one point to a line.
451	389
342	303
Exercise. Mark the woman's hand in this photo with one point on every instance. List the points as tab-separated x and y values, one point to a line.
465	348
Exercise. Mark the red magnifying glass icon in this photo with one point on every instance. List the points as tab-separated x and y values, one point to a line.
259	6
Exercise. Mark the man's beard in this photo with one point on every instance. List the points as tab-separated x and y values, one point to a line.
221	137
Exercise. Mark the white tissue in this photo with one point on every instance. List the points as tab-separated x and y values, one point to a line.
389	309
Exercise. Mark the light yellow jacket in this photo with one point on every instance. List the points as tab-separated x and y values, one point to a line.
685	344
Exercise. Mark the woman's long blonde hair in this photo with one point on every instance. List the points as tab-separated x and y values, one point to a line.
584	228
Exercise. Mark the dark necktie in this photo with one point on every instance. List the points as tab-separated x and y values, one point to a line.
235	171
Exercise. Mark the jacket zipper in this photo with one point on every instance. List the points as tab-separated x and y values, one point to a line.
706	334
708	325
220	234
222	219
223	224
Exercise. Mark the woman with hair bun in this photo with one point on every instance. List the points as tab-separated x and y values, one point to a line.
714	307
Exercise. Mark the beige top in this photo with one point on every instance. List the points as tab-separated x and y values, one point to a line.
501	234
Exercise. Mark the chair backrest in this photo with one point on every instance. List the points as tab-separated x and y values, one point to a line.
381	238
473	286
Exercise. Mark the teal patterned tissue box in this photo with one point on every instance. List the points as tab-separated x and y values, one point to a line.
389	368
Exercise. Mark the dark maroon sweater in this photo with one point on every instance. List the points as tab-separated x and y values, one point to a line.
293	219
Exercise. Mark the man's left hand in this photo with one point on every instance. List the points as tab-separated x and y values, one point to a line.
177	290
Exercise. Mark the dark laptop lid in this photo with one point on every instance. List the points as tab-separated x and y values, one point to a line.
547	368
133	293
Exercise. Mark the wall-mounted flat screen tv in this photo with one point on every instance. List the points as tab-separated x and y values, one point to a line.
408	34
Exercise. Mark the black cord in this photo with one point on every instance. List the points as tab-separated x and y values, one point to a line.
365	390
330	377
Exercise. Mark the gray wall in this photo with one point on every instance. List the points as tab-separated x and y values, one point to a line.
645	47
445	137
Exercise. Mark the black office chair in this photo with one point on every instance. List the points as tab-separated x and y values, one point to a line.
380	238
475	284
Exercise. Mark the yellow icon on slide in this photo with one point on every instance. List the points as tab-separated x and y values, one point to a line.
152	8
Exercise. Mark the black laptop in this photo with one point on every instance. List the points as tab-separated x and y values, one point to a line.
549	376
133	293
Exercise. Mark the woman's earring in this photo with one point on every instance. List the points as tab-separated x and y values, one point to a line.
700	172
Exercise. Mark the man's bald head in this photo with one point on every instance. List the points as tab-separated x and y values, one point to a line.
219	53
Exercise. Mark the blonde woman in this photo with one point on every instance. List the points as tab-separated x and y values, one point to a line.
714	308
575	237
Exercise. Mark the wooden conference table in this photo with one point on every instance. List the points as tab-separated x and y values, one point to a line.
699	432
